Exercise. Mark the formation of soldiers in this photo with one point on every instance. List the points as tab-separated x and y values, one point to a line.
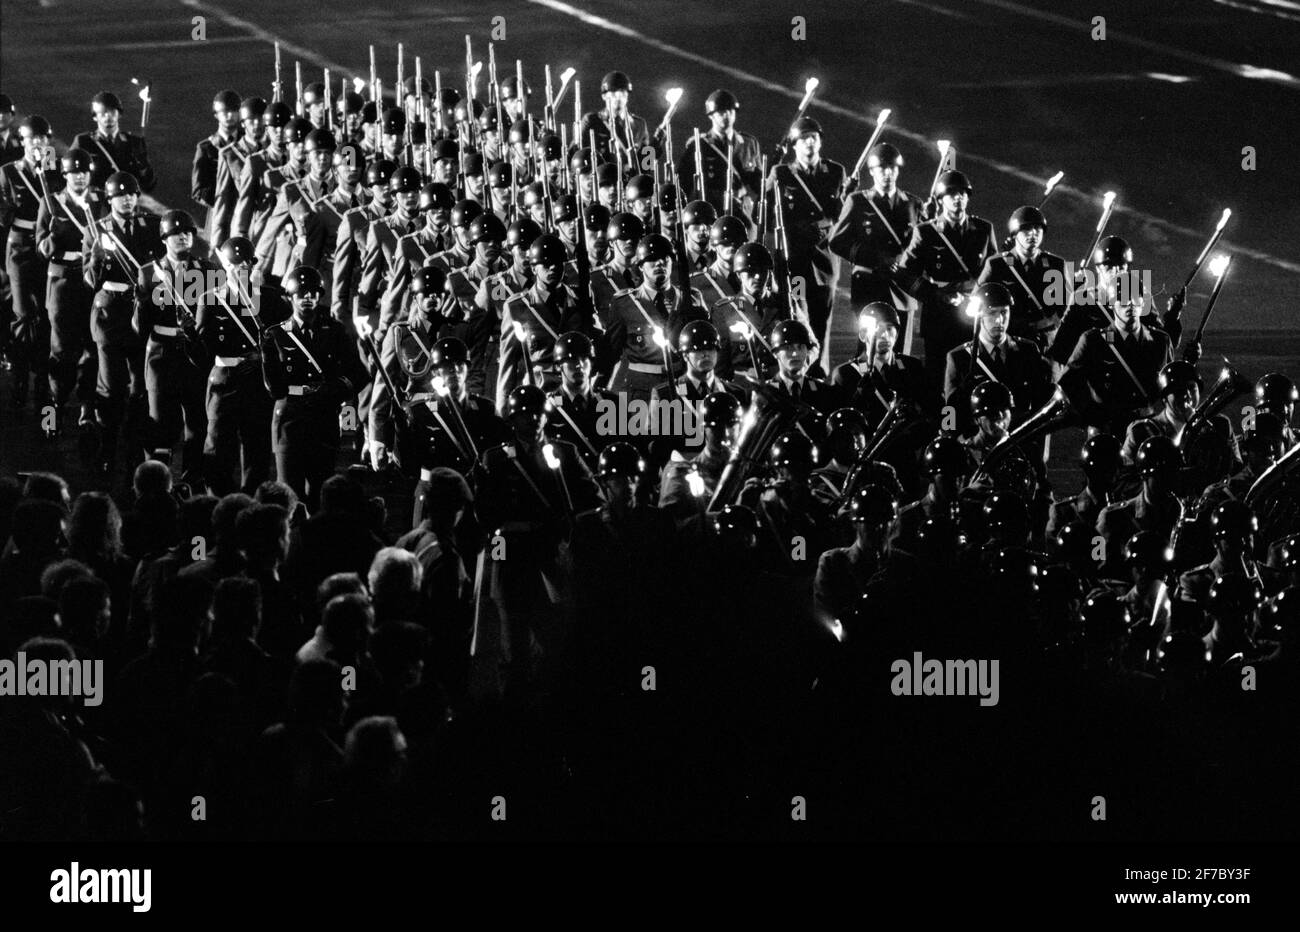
483	287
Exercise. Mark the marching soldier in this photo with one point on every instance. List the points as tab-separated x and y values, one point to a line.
688	484
11	143
811	191
668	210
698	344
844	573
573	410
520	165
427	245
214	177
299	185
310	367
321	223
1113	373
595	227
997	356
534	203
496	288
170	294
792	345
443	161
745	320
486	234
61	227
698	218
639	197
1235	531
313	104
112	255
874	227
644	322
121	152
532	320
1035	278
947	464
939	268
256	199
1155	508
348	109
787	505
614	126
392	135
511	100
1100	462
1277	395
459	251
499	184
238	406
620	273
723	143
23	185
717	282
382	254
1180	388
564	218
846	439
353	233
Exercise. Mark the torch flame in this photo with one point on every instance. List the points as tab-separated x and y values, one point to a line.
520	334
1223	221
867	322
108	243
1219	265
548	451
567	74
660	339
810	85
695	482
740	329
1108	199
973	307
440	386
944	145
473	72
884	115
358	85
673	95
1053	182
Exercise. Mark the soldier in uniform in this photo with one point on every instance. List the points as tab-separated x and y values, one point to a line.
383	254
535	204
299	185
486	234
1034	277
111	149
846	439
844	573
353	233
313	104
256	199
23	185
1113	373
939	268
392	135
746	319
1180	388
1277	395
1015	362
717	281
722	143
620	273
1235	530
639	198
574	409
11	143
121	242
595	230
792	345
948	464
531	504
614	126
1155	508
873	228
238	407
459	251
644	322
348	110
698	217
688	484
1099	459
532	320
61	227
811	192
497	287
170	293
321	223
698	344
310	366
499	185
564	218
512	102
214	177
787	506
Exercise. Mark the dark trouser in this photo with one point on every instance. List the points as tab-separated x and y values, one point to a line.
819	300
6	310
305	430
239	415
367	392
531	621
939	341
72	357
30	330
176	389
119	381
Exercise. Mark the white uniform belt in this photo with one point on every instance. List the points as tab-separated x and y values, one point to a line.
66	257
645	367
305	389
24	224
227	361
116	286
160	330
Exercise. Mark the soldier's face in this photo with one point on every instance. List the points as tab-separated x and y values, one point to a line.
514	108
474	184
316	112
106	119
306	302
253	127
619	489
347	173
527	425
667	220
702	362
408	201
567	228
1183	401
488	250
576	372
615	101
381	193
462	237
993	321
725	253
884	176
439	219
656	272
1127	314
699	234
124	204
549	276
444	171
350	122
6	120
793	358
453	377
608	194
78	181
227	120
751	283
537	212
35	147
642	208
719	435
722	121
597	244
994	426
320	162
886	337
296	152
519	252
808	148
1030	239
954	204
179	243
624	249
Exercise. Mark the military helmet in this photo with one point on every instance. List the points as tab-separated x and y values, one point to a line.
1100	452
303	280
698	336
953	182
846	431
620	459
794	451
615	81
752	257
108	100
945	456
527	401
6	104
1178	375
993	295
522	232
35	126
487	228
626	227
564	208
379	172
1006	517
120	183
653	248
445	150
728	231
1149	550
1235	595
1158	456
405	180
238	250
1274	391
1105	617
719	101
720	409
430	280
547	250
449	351
640	186
874	505
1113	251
349	102
737	523
990	399
699	212
252	108
313	93
668	198
320	139
882	313
464	212
1024	218
789	333
573	345
500	175
393	122
75	160
298	129
804	126
581	162
510	88
519	129
596	217
606	175
176	221
1234	520
884	153
550	147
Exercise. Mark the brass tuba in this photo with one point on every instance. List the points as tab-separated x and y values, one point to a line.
768	417
1275	497
1045	420
1230	384
898	417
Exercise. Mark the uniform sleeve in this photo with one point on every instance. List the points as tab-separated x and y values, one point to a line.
373	269
345	263
140	166
45	244
953	382
1074	381
203	174
273	365
381	399
843	238
393	299
92	257
245	206
513	359
271	232
909	265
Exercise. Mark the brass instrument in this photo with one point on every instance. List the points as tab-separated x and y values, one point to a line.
899	417
762	424
1275	497
1231	384
1047	419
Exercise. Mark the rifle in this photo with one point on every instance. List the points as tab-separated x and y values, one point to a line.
866	150
297	83
276	86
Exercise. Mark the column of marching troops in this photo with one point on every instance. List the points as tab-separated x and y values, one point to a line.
477	288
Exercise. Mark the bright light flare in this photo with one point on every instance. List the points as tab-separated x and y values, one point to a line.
973	307
1108	200
548	452
659	338
740	329
810	85
520	333
358	85
1053	182
440	386
884	115
944	145
673	95
695	482
1219	265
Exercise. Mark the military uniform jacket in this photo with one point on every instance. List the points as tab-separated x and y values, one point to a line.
735	354
336	375
674	488
633	315
59	234
285	232
171	295
256	197
714	284
608	280
872	389
1024	371
125	152
379	264
406	345
518	485
542	317
821	396
11	146
1029	283
21	195
1083	507
747	171
1098	384
1120	521
574	414
873	229
437	448
138	235
349	247
811	199
214	180
465	281
931	272
232	329
415	250
495	289
320	227
600	123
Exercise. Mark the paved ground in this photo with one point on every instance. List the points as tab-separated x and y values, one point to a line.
1159	111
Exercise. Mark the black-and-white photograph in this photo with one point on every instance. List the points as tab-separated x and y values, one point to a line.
546	422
